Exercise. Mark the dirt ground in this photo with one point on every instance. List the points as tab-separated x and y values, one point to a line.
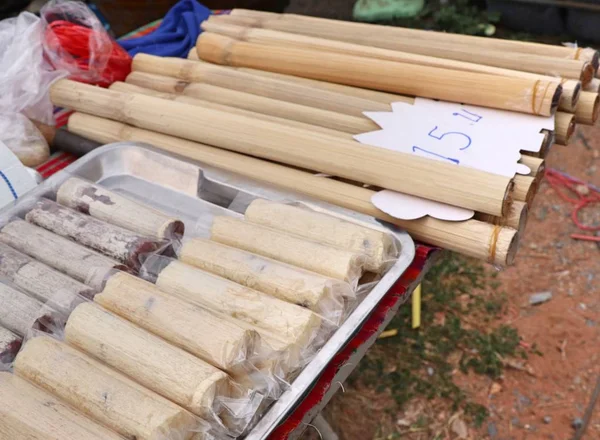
544	402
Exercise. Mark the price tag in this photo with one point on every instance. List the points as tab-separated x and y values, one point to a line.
15	180
476	137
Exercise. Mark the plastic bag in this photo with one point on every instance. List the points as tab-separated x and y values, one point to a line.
75	41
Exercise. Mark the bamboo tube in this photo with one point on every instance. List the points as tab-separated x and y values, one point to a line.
254	103
593	86
222	344
47	285
556	51
28	413
10	344
473	238
515	94
329	261
132	88
535	164
237	79
220	25
525	188
516	218
114	241
189	283
564	127
587	108
115	209
145	358
443	48
277	279
64	255
101	393
407	173
377	245
20	313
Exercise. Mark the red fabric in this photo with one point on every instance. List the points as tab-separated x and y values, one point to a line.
371	326
56	163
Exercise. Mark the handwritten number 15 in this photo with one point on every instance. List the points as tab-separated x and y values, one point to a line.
467	138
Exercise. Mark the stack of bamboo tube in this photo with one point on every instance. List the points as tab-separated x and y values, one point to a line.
257	81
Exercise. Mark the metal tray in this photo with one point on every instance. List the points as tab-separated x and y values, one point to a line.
194	192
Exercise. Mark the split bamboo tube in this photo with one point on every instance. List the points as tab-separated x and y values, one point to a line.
474	189
101	393
28	413
221	25
253	103
377	245
382	37
291	322
132	88
556	51
115	209
145	358
535	164
473	238
515	94
277	279
222	344
516	218
587	108
237	79
564	127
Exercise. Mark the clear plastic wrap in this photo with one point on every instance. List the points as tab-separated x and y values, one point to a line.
379	246
22	137
10	344
106	205
116	242
325	296
316	257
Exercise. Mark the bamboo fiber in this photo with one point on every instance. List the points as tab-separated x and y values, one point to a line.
516	218
388	37
254	103
564	127
28	413
473	238
556	51
220	24
483	192
237	79
515	94
587	108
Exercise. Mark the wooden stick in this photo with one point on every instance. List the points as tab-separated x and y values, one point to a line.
407	173
21	313
188	283
114	241
28	413
101	393
113	208
515	94
237	79
47	285
556	51
329	261
132	88
253	103
76	261
378	246
283	281
389	38
564	127
10	344
147	359
473	238
587	108
222	344
535	164
221	25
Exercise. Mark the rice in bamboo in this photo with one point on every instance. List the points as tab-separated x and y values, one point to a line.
407	173
473	238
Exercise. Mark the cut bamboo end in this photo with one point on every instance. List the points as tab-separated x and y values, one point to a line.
570	95
541	97
564	127
535	164
587	74
587	108
525	188
593	86
516	218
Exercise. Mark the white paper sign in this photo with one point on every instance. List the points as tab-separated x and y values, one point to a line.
15	180
486	139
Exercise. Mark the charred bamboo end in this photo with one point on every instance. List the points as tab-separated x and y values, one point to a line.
556	98
576	94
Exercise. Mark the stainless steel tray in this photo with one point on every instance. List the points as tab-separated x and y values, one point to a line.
195	192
